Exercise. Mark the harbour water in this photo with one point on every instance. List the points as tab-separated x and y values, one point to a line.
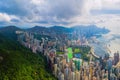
108	43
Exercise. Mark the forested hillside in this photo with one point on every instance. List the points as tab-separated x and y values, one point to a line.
19	63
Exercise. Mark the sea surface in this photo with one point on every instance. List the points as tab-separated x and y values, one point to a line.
107	44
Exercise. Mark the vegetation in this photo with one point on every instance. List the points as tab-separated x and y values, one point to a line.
19	63
76	50
9	32
84	50
59	52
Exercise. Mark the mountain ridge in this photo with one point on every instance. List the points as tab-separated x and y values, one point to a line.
87	31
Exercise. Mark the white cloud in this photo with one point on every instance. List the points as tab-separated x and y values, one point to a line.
110	4
37	2
7	18
60	12
4	17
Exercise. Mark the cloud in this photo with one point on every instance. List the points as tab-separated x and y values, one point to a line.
4	17
7	18
111	4
12	7
59	12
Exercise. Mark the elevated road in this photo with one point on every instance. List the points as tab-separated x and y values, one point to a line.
93	53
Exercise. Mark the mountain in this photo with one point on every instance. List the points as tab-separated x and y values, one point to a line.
86	31
9	32
18	62
60	29
37	29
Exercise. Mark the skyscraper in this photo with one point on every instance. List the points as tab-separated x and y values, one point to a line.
116	58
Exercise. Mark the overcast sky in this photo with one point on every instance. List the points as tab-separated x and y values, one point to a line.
28	13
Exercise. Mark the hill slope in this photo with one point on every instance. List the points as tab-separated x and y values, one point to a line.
9	32
19	63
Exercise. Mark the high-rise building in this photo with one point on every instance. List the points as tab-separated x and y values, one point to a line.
73	76
55	70
79	63
66	72
77	75
116	58
109	66
73	67
62	77
113	77
69	73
